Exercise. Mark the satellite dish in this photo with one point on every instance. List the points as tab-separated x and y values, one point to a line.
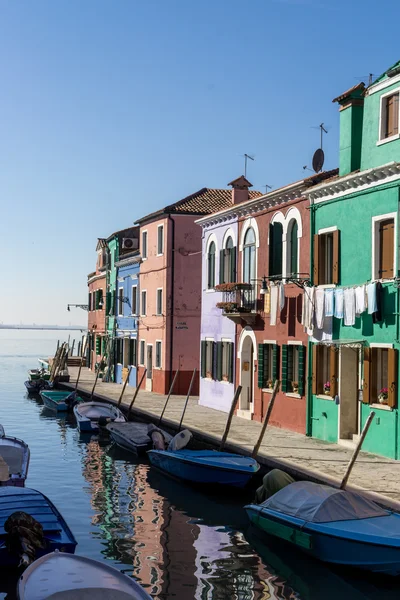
318	160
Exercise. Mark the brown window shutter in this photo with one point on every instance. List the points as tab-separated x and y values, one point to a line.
367	376
315	353
386	249
336	255
389	116
333	364
392	377
395	114
316	259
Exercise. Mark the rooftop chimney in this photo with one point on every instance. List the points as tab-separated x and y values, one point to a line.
351	105
240	189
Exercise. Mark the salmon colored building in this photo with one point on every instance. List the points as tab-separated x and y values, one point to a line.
96	306
170	291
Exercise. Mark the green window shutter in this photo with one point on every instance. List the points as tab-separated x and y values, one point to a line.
203	351
214	360
104	345
230	362
221	267
284	384
96	299
89	298
261	372
275	249
275	362
98	344
302	368
233	265
219	361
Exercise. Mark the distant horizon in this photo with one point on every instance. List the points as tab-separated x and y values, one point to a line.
44	326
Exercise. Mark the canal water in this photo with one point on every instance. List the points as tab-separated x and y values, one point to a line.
177	542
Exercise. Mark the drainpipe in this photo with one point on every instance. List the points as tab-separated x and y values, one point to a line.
309	402
171	344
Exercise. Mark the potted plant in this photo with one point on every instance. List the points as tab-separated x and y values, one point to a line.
383	395
327	388
270	384
295	387
228	306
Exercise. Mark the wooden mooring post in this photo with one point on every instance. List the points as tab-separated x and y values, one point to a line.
266	420
169	394
187	398
357	450
238	391
124	386
137	391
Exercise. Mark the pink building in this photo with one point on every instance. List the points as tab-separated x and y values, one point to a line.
96	306
170	290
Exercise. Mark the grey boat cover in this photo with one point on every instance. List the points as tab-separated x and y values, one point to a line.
318	503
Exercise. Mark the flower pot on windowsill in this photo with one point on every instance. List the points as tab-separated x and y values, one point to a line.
295	387
382	398
327	392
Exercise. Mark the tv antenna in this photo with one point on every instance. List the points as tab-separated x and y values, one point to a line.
246	156
267	187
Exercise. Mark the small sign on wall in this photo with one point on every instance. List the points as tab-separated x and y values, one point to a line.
181	325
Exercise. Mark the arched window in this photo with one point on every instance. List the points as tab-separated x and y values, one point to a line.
275	249
292	250
211	266
228	262
249	256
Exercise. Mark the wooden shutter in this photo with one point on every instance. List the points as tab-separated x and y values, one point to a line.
275	362
392	377
386	249
367	376
392	115
262	349
203	358
108	302
230	347
302	366
316	263
89	301
219	349
98	345
222	266
285	355
336	257
232	265
315	356
333	366
214	360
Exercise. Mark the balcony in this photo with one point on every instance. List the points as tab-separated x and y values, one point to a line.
238	301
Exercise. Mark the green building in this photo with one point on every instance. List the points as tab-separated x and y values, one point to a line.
354	222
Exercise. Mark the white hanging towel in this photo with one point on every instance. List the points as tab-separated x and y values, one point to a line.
361	303
329	302
339	299
308	308
349	307
274	304
319	307
281	289
371	293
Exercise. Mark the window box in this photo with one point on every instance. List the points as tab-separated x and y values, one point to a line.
233	287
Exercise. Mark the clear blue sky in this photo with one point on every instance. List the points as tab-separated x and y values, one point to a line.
112	109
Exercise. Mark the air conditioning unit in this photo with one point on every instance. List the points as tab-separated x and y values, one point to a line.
130	243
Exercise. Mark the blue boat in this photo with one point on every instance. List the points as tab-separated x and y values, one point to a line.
56	532
335	526
205	466
58	400
90	416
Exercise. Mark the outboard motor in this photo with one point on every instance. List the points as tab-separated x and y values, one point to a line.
156	436
71	400
24	537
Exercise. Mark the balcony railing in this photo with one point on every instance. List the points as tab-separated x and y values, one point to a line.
238	300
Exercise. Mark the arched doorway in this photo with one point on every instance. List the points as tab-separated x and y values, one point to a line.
247	349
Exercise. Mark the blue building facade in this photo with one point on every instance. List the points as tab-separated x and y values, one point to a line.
127	315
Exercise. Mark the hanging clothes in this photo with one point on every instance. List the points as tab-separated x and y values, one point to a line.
377	316
267	302
308	308
349	307
324	334
281	296
329	302
371	293
339	300
361	300
274	303
319	307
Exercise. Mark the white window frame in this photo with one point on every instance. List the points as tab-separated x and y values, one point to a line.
159	313
142	344
382	117
162	249
211	238
375	245
143	314
120	302
155	357
144	256
134	295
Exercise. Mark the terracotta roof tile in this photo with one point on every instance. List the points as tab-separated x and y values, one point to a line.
324	176
359	86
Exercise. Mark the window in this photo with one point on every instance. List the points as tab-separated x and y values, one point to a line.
121	302
227	354
211	266
249	256
144	303
134	300
292	250
142	351
90	301
98	299
207	359
326	258
119	348
98	345
158	355
132	352
159	302
144	244
324	370
380	375
389	116
227	263
384	248
275	249
293	364
268	365
160	239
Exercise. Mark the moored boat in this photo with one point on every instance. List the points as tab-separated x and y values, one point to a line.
59	400
135	437
205	466
335	526
91	415
35	374
34	387
14	456
66	576
56	532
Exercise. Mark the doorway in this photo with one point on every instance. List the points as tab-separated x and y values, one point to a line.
247	374
149	374
349	371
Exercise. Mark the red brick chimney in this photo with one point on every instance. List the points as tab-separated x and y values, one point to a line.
240	189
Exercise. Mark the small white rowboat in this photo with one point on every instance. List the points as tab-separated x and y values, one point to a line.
90	415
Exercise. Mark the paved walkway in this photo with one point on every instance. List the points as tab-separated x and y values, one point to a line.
301	455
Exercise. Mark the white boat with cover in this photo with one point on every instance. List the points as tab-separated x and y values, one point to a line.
92	415
14	460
